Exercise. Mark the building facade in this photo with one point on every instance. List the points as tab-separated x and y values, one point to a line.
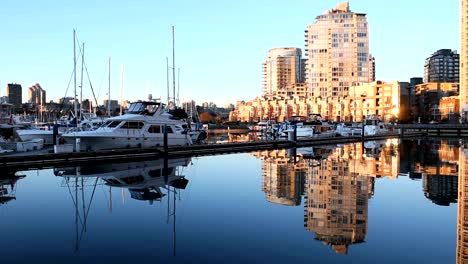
15	97
428	97
373	99
337	52
442	66
464	60
281	70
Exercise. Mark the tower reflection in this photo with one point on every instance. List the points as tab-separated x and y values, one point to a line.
462	215
336	182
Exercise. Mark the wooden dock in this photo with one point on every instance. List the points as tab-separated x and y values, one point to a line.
49	160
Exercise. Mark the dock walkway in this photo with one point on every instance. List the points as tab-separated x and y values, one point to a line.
48	160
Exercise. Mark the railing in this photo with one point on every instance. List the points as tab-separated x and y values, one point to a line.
431	126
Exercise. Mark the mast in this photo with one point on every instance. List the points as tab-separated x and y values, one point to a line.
121	90
167	72
81	85
178	85
75	103
173	66
108	92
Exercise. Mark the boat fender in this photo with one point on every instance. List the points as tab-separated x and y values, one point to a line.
61	140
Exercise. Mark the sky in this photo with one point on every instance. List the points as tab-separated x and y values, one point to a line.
219	45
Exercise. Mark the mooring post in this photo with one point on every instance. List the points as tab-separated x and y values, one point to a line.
55	134
165	138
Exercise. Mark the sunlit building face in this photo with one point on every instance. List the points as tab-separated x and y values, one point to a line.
337	47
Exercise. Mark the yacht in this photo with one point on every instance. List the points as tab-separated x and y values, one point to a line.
142	126
349	129
301	129
374	126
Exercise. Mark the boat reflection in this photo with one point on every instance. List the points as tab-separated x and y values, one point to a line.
8	182
146	181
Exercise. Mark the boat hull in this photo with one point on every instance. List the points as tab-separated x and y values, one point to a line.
93	143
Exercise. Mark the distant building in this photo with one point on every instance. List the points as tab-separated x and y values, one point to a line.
15	97
37	95
281	70
442	66
114	105
337	52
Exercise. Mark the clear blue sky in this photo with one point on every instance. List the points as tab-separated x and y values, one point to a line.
220	45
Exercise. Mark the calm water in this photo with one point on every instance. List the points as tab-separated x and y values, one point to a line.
379	202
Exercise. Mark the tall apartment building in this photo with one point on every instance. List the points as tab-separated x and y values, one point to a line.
36	95
282	69
442	66
14	93
464	60
337	52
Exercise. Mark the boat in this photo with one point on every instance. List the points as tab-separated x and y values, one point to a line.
142	126
302	130
374	126
349	129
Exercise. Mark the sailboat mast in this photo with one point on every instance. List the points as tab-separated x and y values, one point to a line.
178	85
121	90
81	85
167	72
75	103
173	65
108	92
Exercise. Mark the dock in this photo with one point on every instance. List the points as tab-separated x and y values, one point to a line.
49	160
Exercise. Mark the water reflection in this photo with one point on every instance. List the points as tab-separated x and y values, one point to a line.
145	181
337	182
8	183
462	223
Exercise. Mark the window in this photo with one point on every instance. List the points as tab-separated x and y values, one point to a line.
113	124
132	125
154	129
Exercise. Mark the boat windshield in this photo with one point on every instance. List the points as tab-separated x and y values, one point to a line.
112	124
142	108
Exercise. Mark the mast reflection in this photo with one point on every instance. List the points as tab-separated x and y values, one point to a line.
146	181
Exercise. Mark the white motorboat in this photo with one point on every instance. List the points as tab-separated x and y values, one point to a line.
374	126
35	133
349	129
143	126
301	129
